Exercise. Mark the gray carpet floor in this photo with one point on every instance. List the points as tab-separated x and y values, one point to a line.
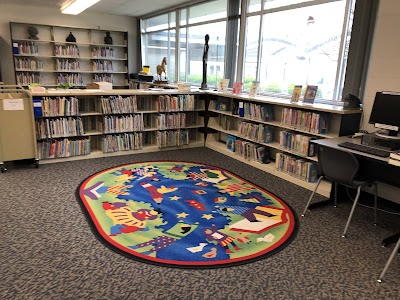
48	251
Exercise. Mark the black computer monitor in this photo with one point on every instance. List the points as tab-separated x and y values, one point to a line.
385	113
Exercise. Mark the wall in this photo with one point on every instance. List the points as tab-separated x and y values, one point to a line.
384	69
51	16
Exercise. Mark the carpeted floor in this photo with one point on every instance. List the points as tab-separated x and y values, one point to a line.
47	249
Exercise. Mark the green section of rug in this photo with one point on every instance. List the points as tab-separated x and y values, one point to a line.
185	214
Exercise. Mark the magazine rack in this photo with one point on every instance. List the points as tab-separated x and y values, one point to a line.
17	126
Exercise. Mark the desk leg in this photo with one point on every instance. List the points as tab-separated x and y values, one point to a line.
337	194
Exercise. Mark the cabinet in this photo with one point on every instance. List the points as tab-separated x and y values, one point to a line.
17	140
274	135
74	125
48	59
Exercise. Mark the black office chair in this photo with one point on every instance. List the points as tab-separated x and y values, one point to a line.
341	167
395	250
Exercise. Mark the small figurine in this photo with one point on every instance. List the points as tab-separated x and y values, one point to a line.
70	38
108	39
33	32
162	69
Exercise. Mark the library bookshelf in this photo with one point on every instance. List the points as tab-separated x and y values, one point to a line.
275	135
51	61
83	124
158	123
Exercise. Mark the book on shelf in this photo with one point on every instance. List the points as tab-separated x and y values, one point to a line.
230	142
310	93
223	85
296	93
254	89
237	87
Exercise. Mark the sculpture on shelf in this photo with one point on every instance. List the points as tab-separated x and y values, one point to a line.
205	58
162	69
108	39
33	32
70	38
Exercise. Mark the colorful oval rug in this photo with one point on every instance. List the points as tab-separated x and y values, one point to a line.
185	214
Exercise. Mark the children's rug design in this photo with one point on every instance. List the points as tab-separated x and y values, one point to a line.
185	214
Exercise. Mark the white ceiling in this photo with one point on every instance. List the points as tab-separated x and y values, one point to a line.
134	8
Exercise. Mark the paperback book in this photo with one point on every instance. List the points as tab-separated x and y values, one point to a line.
296	93
310	93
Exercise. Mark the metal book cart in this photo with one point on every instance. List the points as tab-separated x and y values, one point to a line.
17	126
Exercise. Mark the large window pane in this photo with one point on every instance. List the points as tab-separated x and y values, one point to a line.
156	23
302	51
160	45
268	4
182	55
253	5
212	10
251	50
216	52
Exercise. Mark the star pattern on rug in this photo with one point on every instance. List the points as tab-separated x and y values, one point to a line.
207	216
182	215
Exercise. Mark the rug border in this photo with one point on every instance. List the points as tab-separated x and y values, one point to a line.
104	241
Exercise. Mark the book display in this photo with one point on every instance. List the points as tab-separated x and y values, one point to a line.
64	56
83	124
249	129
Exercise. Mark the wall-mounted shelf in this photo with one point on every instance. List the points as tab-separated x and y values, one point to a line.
85	61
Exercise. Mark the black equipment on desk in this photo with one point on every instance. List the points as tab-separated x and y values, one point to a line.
373	140
365	149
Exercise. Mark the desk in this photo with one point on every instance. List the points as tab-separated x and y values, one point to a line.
374	166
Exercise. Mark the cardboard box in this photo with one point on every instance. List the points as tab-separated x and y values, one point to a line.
103	85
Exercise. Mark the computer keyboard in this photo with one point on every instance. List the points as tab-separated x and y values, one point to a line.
365	149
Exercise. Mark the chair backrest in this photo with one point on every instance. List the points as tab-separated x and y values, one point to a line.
337	165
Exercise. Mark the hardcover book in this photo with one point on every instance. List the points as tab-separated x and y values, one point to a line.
310	93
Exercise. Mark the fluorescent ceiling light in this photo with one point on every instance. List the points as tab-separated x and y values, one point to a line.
77	6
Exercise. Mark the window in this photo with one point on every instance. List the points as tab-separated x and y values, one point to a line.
282	43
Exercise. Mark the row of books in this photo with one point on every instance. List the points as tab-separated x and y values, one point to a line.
56	106
58	127
172	138
28	48
106	52
28	64
297	143
170	121
69	50
167	103
300	168
125	123
119	104
103	77
252	111
258	132
63	148
221	104
122	142
102	65
67	65
71	79
305	120
28	78
248	150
